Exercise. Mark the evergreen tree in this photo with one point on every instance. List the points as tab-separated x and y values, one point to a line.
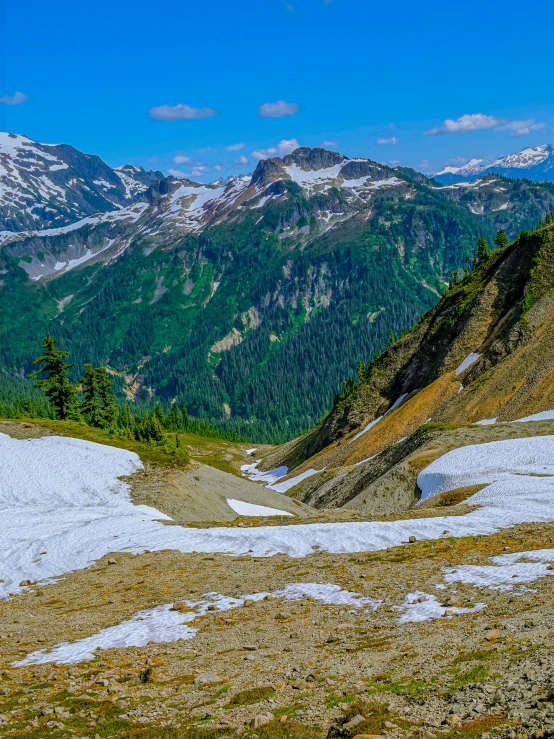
174	419
501	239
108	406
159	414
57	386
155	429
125	419
186	417
482	250
90	406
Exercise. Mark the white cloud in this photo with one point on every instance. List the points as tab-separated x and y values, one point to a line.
285	146
330	144
280	109
481	122
16	99
424	164
522	128
199	169
180	112
176	173
218	167
464	124
242	161
384	142
181	159
235	147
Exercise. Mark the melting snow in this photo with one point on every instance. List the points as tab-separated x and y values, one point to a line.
282	487
468	361
163	624
542	416
250	509
370	425
508	570
396	403
251	471
423	607
74	507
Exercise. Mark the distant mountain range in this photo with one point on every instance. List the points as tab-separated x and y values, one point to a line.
250	298
532	163
47	185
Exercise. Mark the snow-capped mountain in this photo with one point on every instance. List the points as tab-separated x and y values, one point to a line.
230	289
532	163
450	173
169	209
47	185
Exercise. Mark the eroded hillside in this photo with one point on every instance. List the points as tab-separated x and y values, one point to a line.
484	355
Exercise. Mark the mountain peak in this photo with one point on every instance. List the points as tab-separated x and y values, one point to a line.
533	163
53	185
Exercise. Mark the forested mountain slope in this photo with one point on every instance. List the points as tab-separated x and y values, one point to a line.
250	299
513	205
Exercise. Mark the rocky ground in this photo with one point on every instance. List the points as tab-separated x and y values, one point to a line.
278	668
305	668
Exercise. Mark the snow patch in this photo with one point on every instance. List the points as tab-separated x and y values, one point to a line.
468	361
75	509
163	624
420	606
370	425
250	509
542	416
282	487
253	473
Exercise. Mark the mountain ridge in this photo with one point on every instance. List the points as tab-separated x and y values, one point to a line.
533	163
250	298
478	361
46	185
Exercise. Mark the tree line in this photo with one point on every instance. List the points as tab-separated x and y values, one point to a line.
93	402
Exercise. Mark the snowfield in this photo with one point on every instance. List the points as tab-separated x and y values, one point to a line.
62	507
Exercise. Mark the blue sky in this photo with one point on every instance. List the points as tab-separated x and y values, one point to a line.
174	86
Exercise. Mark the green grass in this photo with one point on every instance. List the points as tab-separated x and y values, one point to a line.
252	695
335	700
479	655
401	686
476	675
157	456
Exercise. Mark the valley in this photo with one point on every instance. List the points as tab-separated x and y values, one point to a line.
348	251
361	543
